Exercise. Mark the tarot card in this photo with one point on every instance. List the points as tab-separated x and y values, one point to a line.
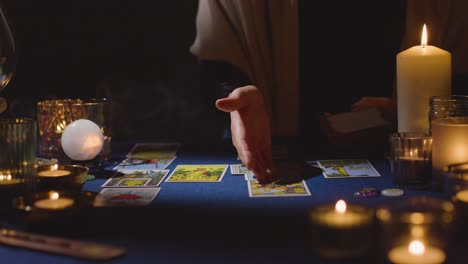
347	168
277	190
353	121
151	151
198	173
126	196
141	164
238	169
249	176
136	178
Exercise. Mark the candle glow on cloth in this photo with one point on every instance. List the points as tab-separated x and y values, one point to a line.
416	252
54	202
422	71
54	172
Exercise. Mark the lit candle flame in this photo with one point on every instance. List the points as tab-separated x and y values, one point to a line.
424	37
6	177
416	248
55	167
54	195
340	207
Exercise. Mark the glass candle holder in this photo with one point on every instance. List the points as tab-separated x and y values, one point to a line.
416	230
456	186
17	158
450	145
68	178
341	231
98	110
55	115
411	160
56	209
447	106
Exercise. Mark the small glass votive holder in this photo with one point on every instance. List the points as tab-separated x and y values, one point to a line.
18	140
55	115
68	178
411	160
456	186
341	231
98	110
443	106
53	209
416	230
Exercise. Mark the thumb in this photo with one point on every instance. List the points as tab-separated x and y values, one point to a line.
229	104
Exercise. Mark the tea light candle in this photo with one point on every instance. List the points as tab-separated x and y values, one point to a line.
341	231
340	217
416	253
7	179
422	71
54	172
54	202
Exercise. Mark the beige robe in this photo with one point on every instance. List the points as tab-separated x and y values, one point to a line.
239	32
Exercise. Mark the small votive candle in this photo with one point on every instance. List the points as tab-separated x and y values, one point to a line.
54	172
416	253
54	202
416	230
340	230
410	160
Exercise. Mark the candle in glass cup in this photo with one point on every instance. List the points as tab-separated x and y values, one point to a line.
416	252
450	146
411	159
54	172
54	202
341	231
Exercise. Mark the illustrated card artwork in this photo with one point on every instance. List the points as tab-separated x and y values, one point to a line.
347	168
151	151
238	169
198	173
142	164
250	176
136	178
276	190
126	196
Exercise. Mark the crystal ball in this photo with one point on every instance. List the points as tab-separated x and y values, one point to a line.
82	140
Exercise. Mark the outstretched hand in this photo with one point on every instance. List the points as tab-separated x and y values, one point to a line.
250	128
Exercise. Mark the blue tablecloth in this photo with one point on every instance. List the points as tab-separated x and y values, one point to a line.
212	222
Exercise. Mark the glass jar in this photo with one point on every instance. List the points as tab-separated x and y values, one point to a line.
447	106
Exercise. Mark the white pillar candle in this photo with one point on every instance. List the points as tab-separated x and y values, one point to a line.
422	71
449	143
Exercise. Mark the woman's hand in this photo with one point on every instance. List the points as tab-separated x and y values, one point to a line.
250	128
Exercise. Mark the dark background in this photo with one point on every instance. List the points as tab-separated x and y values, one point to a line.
134	52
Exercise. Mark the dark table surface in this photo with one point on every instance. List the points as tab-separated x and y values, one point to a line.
211	222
